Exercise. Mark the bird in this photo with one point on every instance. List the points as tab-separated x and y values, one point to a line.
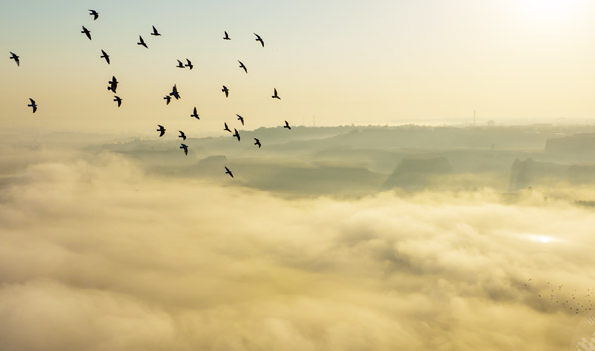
275	96
226	127
227	171
33	105
94	14
189	64
182	135
105	56
142	42
226	37
240	118
225	90
243	66
258	38
155	32
180	64
257	142
113	84
167	99
286	125
185	147
118	100
174	92
15	57
161	130
86	32
195	113
236	134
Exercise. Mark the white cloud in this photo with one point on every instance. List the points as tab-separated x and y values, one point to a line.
96	255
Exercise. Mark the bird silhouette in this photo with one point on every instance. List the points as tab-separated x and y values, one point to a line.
180	64
240	118
118	100
174	92
236	134
257	142
225	90
33	105
105	56
94	14
86	32
226	128
142	42
195	113
15	57
286	125
182	135
185	147
258	38
161	130
226	37
189	64
227	171
155	32
243	66
167	99
113	84
275	96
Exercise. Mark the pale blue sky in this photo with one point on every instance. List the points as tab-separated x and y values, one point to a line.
341	61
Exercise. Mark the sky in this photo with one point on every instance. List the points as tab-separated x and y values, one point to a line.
333	63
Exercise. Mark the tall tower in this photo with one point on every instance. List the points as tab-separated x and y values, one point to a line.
473	117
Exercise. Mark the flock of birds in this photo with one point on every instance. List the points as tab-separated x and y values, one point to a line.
576	302
113	86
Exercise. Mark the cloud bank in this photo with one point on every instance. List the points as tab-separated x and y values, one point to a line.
97	255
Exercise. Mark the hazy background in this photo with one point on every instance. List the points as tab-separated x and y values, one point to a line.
336	62
394	223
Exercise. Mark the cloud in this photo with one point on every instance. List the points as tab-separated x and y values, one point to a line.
97	255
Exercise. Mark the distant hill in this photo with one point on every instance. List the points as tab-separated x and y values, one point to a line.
416	172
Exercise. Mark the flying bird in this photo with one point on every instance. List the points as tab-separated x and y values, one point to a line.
226	37
167	99
155	32
240	118
142	42
86	32
189	64
227	171
105	56
258	38
180	64
182	135
257	142
118	100
243	66
185	147
236	134
195	113
15	57
286	125
226	127
161	130
225	90
174	92
113	84
275	96
94	14
33	105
